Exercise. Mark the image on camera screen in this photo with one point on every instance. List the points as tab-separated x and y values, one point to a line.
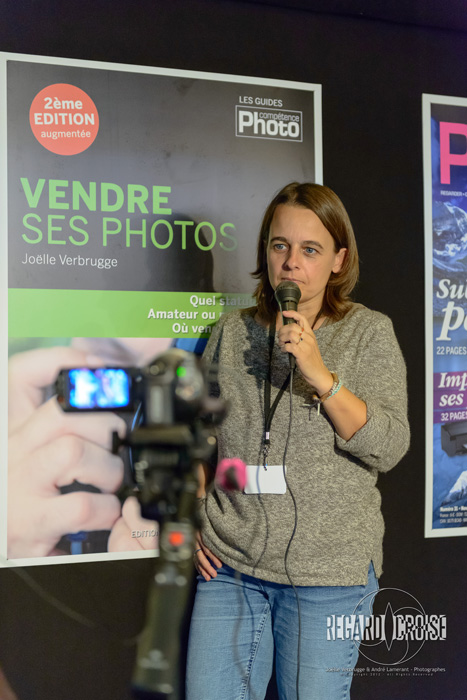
99	388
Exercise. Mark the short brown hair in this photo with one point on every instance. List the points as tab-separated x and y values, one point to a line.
325	203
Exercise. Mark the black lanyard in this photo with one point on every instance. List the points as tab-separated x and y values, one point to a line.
269	410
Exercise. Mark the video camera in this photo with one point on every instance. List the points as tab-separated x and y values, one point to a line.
172	430
172	423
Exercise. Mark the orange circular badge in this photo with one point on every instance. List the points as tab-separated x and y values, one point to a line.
64	119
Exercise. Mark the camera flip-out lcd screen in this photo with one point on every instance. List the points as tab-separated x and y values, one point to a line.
99	388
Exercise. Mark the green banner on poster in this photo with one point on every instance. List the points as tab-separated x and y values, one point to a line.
50	313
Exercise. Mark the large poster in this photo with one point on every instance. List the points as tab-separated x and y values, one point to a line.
445	174
131	199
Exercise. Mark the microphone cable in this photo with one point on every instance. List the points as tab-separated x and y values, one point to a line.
62	607
238	575
286	555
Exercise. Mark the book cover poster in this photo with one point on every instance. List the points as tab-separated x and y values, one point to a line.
445	175
131	202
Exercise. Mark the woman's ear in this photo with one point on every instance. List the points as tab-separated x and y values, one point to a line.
339	260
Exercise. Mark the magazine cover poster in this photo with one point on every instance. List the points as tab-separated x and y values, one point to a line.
445	134
131	203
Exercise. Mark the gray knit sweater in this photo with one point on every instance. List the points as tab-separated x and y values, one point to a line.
340	527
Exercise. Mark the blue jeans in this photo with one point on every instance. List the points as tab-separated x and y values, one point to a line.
241	625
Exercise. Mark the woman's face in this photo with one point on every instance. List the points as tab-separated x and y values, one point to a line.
300	249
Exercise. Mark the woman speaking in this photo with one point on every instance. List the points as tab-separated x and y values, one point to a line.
303	541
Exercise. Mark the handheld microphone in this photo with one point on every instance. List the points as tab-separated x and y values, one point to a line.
287	296
231	474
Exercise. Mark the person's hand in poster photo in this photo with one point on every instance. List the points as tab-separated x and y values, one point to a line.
49	450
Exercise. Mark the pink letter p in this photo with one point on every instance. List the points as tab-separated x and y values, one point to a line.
446	157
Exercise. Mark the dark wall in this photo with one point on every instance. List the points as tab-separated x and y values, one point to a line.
373	74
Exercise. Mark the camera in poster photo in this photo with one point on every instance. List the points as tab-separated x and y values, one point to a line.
63	479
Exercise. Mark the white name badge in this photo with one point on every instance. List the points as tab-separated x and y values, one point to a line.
261	480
